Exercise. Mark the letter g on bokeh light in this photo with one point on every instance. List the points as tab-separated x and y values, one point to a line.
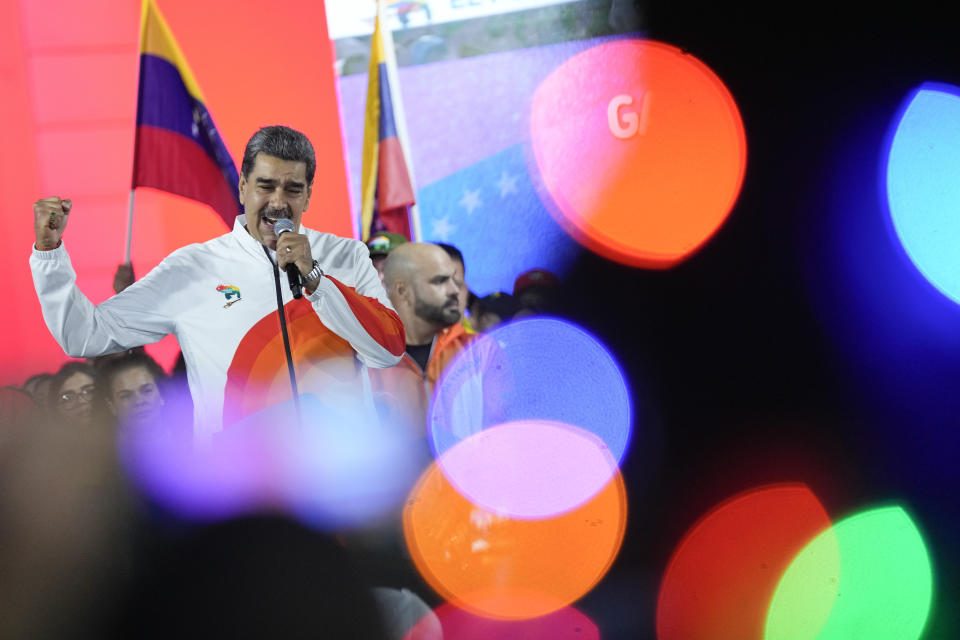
640	149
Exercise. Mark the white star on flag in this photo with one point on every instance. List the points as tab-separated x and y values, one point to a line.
442	229
506	184
470	200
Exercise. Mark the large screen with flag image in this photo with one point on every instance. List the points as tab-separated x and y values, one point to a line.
531	134
467	88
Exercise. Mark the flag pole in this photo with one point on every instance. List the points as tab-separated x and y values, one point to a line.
144	9
383	55
130	227
400	118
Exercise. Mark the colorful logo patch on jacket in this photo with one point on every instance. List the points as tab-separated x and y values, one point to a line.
229	291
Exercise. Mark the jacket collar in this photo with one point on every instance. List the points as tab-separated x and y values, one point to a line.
454	333
250	244
246	241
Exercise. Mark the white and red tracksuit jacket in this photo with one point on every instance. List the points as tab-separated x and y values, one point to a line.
219	299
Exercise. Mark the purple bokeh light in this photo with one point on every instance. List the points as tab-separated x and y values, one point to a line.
537	402
529	468
334	469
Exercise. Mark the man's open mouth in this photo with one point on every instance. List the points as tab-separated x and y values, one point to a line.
270	217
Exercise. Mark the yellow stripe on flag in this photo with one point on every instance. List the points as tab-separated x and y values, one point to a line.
156	39
371	130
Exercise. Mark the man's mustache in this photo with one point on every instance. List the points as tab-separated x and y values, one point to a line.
276	214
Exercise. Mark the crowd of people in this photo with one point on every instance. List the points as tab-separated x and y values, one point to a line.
123	391
130	390
378	322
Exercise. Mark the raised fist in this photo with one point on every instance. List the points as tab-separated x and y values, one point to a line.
49	220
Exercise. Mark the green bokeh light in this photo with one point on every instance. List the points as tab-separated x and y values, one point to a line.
866	577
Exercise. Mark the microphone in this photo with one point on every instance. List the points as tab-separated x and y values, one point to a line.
280	227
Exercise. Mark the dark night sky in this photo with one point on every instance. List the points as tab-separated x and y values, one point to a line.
737	360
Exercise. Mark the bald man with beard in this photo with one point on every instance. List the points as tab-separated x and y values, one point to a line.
419	279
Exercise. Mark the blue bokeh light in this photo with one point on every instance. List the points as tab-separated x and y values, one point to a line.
893	332
923	184
534	371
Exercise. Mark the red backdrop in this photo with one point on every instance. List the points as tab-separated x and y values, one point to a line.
69	84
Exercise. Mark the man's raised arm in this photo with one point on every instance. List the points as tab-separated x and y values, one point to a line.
126	320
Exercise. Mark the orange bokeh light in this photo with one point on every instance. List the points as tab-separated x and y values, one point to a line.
641	148
499	567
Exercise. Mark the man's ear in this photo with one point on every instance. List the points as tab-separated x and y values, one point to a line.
240	187
399	291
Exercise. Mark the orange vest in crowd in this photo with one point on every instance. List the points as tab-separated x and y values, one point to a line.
402	393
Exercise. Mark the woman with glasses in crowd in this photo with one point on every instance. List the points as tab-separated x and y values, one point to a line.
72	394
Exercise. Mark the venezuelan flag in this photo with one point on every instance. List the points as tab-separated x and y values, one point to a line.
386	185
178	148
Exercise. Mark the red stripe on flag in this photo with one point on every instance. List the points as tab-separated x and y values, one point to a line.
171	162
382	324
393	180
396	220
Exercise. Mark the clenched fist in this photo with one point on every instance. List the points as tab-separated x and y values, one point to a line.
294	248
49	221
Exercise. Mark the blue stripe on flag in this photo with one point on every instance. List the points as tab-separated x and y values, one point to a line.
388	127
165	103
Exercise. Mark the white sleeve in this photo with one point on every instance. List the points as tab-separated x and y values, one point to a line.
131	318
361	313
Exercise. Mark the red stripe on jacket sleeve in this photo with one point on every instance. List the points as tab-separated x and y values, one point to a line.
380	323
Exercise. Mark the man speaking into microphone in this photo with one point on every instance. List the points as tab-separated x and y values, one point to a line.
248	342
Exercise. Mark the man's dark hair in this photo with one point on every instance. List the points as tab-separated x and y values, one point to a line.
280	142
454	254
115	367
